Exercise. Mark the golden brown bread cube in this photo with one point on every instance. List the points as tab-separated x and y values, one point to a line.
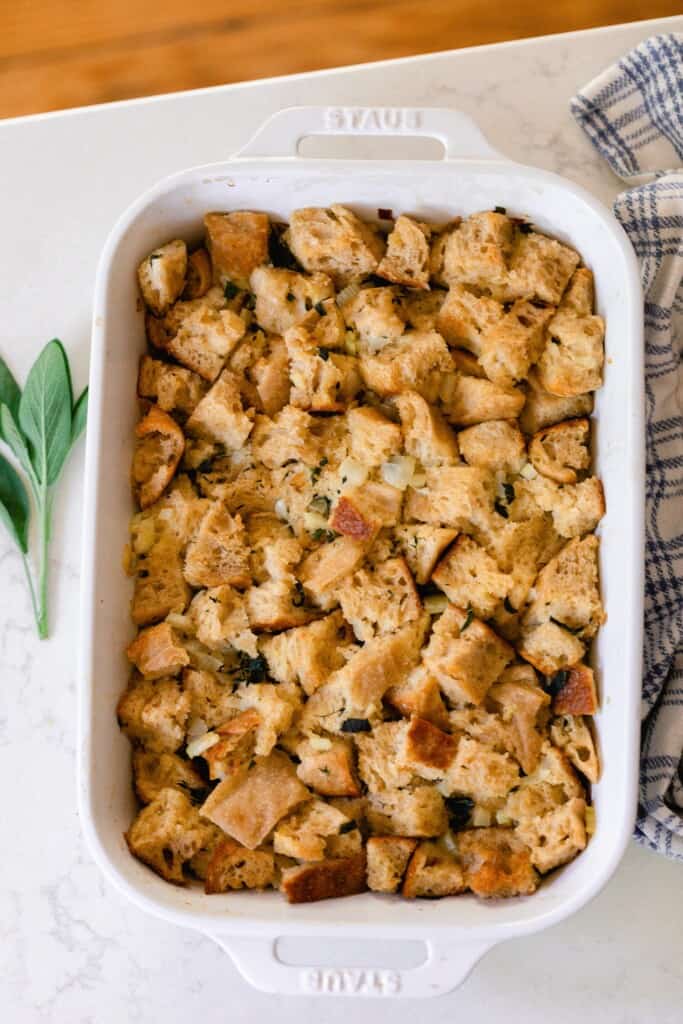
420	309
219	552
235	745
159	445
419	811
539	268
287	436
238	243
550	648
422	546
161	276
572	735
380	764
160	587
322	380
172	388
307	654
155	712
427	436
425	748
304	833
327	766
278	604
479	772
374	315
419	696
199	276
437	250
153	772
465	655
577	694
166	834
387	860
510	346
433	872
497	863
573	357
468	574
560	452
465	316
220	415
232	866
379	600
523	708
157	652
495	444
576	508
362	510
567	591
221	619
374	438
323	569
414	362
248	807
327	879
200	333
556	837
284	298
334	241
406	260
477	253
210	697
580	293
470	400
454	496
541	409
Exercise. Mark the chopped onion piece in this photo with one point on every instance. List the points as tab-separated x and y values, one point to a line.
201	658
435	604
481	817
528	471
196	727
503	819
398	471
197	747
419	480
320	743
314	521
144	535
281	510
352	473
180	622
351	343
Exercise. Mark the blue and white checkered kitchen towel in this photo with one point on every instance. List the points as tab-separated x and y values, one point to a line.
633	115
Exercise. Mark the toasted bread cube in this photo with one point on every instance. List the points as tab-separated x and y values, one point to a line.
248	807
432	873
327	767
270	373
561	451
388	858
541	409
211	698
284	298
328	879
420	309
464	317
221	621
422	547
580	294
540	268
219	416
155	713
362	510
160	587
468	575
551	784
307	654
480	772
161	276
577	695
218	553
497	444
172	388
467	364
437	250
427	436
406	260
523	707
428	750
550	648
573	357
455	496
374	438
470	400
285	437
382	662
477	253
414	362
303	834
573	736
166	834
322	570
576	508
233	866
276	707
274	550
557	836
322	381
199	862
199	276
567	590
380	765
238	243
200	333
276	605
374	314
497	863
153	772
510	346
380	600
156	652
334	241
420	812
235	745
159	445
465	656
419	696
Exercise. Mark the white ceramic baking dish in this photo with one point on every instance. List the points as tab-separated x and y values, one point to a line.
270	175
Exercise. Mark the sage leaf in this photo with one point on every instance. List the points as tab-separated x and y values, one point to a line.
15	439
80	416
10	392
14	505
45	412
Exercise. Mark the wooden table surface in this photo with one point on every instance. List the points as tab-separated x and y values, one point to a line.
66	53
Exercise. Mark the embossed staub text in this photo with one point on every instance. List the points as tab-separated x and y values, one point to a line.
372	120
349	981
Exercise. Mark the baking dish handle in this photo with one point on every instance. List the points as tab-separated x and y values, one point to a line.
281	134
446	966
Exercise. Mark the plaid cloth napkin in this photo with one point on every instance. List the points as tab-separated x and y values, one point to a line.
633	115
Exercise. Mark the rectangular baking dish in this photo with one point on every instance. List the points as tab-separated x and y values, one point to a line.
270	175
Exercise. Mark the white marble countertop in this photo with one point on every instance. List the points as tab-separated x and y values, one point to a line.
72	950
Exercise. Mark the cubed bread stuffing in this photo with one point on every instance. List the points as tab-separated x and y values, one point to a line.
364	568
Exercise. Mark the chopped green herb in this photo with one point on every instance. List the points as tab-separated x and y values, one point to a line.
347	826
291	297
308	303
319	308
459	810
574	630
501	509
298	595
555	341
553	684
324	354
508	607
230	290
249	300
469	615
356	725
325	535
525	227
499	209
321	504
252	670
509	493
317	470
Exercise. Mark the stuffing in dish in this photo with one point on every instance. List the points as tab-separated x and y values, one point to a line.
364	562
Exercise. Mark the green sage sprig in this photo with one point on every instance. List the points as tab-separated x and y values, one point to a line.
40	425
